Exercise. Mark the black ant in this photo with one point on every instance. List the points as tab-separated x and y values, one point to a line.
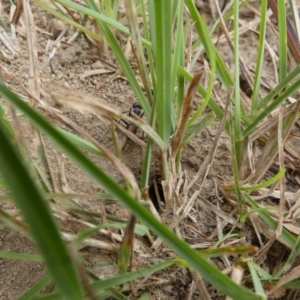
136	109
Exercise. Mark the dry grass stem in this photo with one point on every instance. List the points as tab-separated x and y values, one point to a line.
204	169
90	242
200	285
237	276
186	110
290	276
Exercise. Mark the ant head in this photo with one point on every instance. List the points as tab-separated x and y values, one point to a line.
137	109
136	105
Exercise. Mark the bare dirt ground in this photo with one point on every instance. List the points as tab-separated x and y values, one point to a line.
68	68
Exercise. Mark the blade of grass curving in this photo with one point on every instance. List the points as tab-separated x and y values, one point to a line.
270	96
39	217
248	214
36	288
80	142
256	280
118	280
260	56
222	70
257	187
193	259
21	256
267	111
285	235
291	259
263	274
224	238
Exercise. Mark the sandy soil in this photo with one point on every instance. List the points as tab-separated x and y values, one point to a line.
68	68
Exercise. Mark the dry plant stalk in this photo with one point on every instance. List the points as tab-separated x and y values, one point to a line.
203	170
237	276
17	13
186	111
33	73
290	276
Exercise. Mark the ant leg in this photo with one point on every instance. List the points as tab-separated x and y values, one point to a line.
125	122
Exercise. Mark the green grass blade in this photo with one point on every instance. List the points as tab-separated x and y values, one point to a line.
222	70
283	84
178	50
139	50
103	24
118	280
192	258
296	19
118	52
39	217
211	52
197	127
237	143
36	288
291	259
260	56
69	21
95	14
21	256
283	49
80	142
256	280
163	66
252	126
257	187
286	236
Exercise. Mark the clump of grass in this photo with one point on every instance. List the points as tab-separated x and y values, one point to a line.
163	50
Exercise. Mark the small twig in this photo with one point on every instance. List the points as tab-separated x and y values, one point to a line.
203	171
282	179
